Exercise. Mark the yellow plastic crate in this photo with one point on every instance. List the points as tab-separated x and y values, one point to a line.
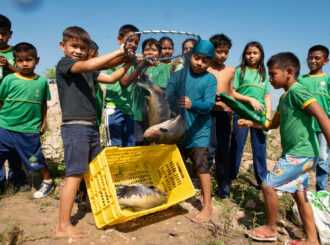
157	165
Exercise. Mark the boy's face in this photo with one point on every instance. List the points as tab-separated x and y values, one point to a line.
221	54
277	77
316	60
26	63
75	49
132	42
5	35
199	63
151	51
187	46
167	49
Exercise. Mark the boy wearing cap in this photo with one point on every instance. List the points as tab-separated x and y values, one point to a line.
196	96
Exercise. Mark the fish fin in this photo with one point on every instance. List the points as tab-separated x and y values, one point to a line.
163	130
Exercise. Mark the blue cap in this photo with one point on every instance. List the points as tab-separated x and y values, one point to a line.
204	47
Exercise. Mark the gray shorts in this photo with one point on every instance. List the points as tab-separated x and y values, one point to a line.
198	156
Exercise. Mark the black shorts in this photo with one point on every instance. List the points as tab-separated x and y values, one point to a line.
198	156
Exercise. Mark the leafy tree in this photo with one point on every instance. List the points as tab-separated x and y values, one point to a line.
50	73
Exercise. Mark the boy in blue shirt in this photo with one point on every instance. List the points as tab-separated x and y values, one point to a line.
75	76
196	94
318	83
294	114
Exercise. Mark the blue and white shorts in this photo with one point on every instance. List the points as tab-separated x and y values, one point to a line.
26	145
291	173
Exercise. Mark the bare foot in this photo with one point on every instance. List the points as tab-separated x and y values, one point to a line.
205	215
70	231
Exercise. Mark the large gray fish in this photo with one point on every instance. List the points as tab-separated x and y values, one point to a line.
140	196
169	132
158	107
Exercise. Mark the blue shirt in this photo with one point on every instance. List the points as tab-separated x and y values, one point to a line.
201	90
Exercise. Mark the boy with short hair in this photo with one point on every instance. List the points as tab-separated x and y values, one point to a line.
118	114
221	114
75	76
24	96
16	176
318	83
196	95
299	143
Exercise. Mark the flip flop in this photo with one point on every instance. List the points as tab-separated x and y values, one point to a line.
265	237
293	242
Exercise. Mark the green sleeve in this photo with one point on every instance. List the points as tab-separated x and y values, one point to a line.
3	88
301	96
237	78
47	92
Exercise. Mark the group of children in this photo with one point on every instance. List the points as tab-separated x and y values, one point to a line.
208	136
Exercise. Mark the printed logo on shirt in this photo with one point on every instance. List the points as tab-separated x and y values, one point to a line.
11	61
322	85
37	93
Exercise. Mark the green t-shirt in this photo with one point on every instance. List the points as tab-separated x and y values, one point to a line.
319	85
297	134
8	53
99	103
159	75
251	85
23	98
119	95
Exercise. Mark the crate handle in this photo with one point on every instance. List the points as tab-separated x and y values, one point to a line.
180	170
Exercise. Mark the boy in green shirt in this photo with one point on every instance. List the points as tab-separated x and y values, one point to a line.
118	114
295	113
318	83
23	112
16	176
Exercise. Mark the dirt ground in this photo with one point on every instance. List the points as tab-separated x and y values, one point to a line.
36	220
24	220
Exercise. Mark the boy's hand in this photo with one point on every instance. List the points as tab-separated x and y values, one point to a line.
256	104
242	123
184	102
42	129
121	49
3	61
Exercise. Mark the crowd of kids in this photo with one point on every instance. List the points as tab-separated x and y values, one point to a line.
302	114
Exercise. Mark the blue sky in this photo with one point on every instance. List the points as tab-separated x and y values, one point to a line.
279	25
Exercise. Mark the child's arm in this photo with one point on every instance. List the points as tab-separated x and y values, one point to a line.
96	63
5	64
268	103
115	76
322	118
257	106
44	117
1	104
272	124
127	79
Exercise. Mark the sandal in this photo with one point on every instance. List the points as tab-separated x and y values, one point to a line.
264	238
293	242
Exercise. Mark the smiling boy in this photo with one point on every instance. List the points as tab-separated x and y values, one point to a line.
75	76
196	95
318	83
